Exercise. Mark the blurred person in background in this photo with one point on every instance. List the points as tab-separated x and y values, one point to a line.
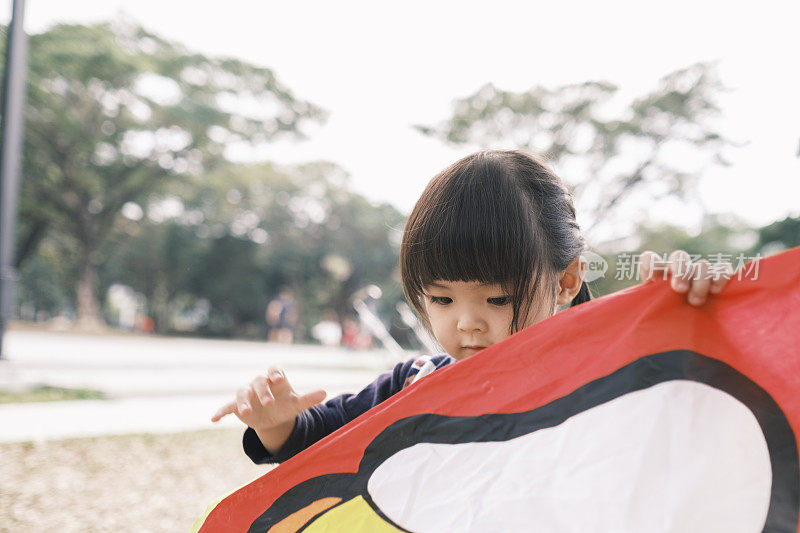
282	317
353	338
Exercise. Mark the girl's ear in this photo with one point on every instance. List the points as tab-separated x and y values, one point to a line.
569	281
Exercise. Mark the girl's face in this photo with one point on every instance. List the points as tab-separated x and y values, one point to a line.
467	317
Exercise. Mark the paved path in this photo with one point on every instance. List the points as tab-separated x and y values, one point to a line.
155	384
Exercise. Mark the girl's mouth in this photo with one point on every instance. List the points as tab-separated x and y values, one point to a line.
473	349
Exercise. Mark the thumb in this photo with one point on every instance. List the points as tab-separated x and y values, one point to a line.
311	399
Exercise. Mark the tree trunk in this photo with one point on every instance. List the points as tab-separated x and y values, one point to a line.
29	242
88	306
159	305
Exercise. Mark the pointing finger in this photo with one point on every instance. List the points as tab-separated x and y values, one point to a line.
227	409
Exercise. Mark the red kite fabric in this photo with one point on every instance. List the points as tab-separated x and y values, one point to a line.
634	412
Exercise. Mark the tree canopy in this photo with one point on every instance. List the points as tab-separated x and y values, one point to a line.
233	238
114	113
605	147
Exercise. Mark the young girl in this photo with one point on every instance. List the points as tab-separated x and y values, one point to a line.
491	247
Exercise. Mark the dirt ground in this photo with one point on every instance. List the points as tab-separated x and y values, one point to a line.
142	483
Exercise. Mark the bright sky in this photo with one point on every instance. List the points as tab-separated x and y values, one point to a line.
380	68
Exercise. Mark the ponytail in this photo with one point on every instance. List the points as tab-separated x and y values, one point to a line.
584	295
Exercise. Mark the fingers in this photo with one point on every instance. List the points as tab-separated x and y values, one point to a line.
278	383
227	409
679	266
722	274
700	283
649	265
261	388
283	392
245	398
311	399
268	397
697	280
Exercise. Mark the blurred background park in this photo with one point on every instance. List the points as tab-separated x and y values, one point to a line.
202	185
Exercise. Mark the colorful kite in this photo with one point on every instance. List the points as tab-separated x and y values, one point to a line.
635	412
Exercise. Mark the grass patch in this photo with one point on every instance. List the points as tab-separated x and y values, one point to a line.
47	393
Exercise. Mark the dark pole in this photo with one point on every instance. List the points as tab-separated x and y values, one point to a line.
13	126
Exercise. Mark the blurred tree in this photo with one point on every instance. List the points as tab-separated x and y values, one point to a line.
47	279
658	143
778	236
235	236
155	259
718	234
114	113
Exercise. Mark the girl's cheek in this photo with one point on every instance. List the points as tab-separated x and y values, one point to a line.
508	319
506	334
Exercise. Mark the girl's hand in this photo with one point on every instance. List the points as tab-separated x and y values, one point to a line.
270	406
696	279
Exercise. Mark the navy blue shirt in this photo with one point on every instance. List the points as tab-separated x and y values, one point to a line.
322	420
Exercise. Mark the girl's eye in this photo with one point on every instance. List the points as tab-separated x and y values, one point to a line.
499	300
441	300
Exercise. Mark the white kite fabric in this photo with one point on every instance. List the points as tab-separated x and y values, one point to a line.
656	451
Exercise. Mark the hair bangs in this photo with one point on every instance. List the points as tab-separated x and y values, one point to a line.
473	224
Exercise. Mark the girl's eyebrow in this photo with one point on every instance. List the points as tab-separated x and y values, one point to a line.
437	285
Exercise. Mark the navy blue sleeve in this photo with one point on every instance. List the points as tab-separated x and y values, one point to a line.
322	420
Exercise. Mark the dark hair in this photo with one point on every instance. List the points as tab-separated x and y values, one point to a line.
498	216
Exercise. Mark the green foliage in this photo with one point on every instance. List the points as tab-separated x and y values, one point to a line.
607	152
48	393
222	235
47	278
237	235
719	234
115	113
778	236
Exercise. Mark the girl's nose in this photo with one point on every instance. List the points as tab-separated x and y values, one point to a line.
470	322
